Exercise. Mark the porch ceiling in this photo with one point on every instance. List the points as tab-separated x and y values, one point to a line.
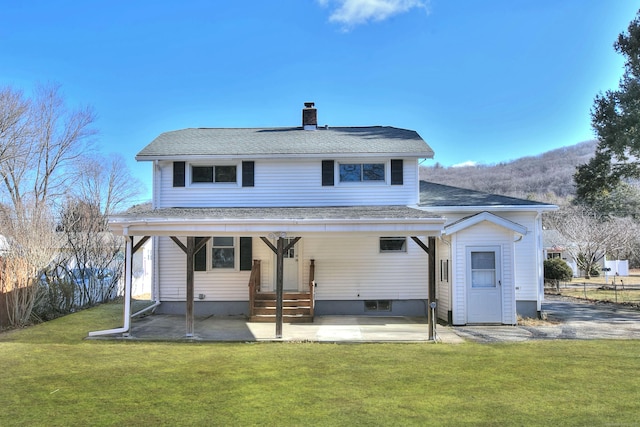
400	220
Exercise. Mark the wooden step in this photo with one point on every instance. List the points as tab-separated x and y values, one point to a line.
286	311
296	307
285	303
285	295
285	319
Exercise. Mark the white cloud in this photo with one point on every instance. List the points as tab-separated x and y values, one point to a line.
355	12
465	164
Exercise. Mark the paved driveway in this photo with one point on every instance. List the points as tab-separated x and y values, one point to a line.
567	318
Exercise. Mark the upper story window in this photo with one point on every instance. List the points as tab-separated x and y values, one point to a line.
185	174
362	172
357	172
213	174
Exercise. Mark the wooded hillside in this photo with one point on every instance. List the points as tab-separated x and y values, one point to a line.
547	177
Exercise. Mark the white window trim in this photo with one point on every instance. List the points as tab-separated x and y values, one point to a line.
209	263
385	181
189	180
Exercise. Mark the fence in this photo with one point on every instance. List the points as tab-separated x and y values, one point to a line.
617	292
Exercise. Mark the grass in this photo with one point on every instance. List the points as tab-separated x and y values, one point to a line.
50	376
626	290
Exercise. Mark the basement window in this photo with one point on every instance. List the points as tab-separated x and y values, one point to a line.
377	305
393	244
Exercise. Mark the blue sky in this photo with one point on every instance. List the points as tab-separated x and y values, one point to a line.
481	81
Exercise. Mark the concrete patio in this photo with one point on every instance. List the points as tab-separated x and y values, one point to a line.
567	318
323	329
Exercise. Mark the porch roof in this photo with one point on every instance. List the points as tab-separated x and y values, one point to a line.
399	220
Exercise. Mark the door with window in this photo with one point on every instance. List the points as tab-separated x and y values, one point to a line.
484	285
290	280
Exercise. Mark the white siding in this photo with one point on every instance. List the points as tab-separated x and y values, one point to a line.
484	234
351	267
526	259
443	278
348	267
221	285
294	183
528	252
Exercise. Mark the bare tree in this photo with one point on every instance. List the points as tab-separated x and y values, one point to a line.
102	186
41	141
105	182
31	247
588	236
13	121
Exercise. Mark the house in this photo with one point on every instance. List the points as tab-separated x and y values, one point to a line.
557	246
283	224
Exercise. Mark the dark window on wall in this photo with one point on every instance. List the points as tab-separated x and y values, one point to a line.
246	254
358	172
178	174
327	173
396	172
200	257
202	174
248	173
377	305
224	253
211	174
444	270
393	244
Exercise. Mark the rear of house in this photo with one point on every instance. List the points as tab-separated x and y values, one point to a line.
334	216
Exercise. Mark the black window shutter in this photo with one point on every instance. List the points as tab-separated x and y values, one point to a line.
178	174
248	174
327	173
246	253
396	172
200	257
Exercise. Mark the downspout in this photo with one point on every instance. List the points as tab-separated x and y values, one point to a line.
127	294
539	262
515	276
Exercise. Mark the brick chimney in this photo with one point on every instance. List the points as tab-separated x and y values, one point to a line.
309	116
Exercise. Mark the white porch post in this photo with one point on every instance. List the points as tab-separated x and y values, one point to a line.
128	264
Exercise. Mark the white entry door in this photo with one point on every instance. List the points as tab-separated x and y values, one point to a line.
484	285
290	280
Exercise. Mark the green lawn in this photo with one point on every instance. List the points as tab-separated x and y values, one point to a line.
50	376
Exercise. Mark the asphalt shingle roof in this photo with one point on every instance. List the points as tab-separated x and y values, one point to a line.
287	213
439	195
269	142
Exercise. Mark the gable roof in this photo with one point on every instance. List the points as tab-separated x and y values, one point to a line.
286	142
472	220
434	196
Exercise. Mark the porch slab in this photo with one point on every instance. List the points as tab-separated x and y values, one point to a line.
164	327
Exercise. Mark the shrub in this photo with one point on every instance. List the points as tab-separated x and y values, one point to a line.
557	270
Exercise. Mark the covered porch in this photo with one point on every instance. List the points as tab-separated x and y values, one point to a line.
190	229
